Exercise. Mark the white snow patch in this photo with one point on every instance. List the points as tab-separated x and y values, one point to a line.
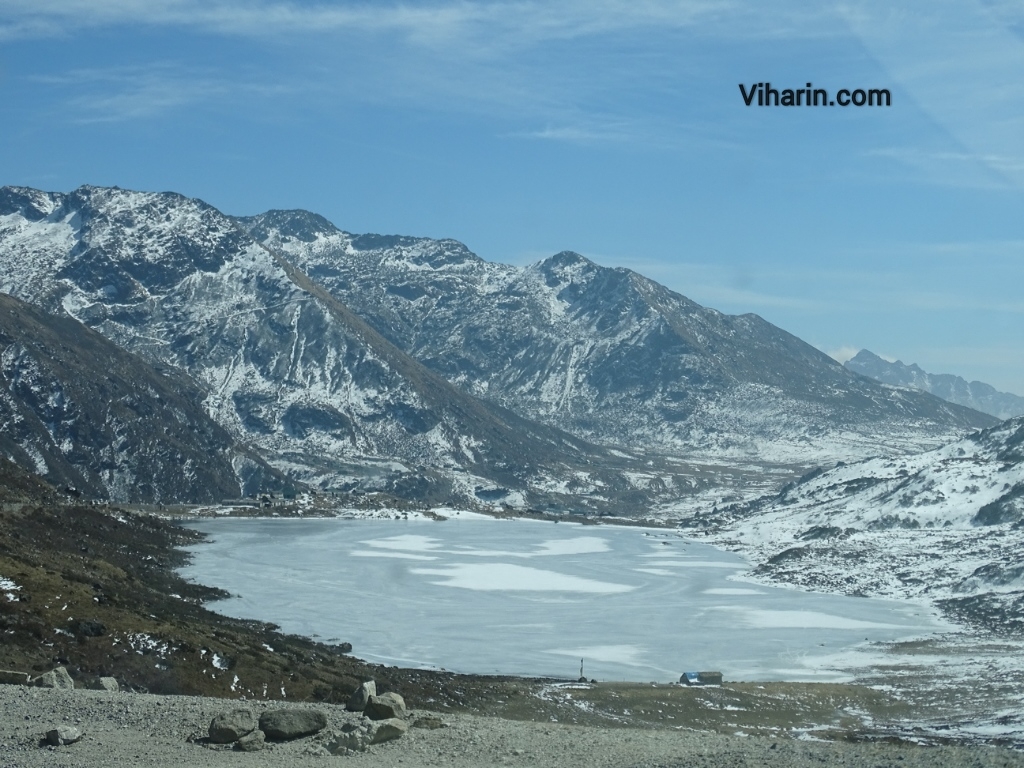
505	576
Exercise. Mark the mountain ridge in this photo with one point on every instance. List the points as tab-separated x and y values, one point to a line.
412	366
603	353
955	389
283	364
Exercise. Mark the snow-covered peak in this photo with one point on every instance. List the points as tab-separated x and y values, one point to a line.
954	389
286	225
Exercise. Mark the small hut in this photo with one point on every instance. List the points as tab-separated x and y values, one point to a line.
701	678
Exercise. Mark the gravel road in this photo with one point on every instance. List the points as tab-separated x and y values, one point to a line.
128	729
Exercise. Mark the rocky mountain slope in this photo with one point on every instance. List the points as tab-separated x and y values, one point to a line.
607	354
283	364
946	526
89	416
954	389
412	366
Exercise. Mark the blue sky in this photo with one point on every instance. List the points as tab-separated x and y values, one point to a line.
608	127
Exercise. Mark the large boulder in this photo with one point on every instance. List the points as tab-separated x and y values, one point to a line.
287	724
361	696
385	707
56	678
231	726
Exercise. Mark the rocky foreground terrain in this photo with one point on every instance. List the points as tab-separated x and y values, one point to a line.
145	730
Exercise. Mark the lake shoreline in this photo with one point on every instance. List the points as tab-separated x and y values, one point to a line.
118	569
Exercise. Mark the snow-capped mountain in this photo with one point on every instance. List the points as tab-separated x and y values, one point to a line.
974	394
284	365
608	354
85	414
945	525
413	366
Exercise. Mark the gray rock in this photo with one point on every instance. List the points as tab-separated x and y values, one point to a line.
56	678
231	726
387	730
430	722
286	724
104	684
251	742
63	735
385	707
351	738
10	677
109	684
359	698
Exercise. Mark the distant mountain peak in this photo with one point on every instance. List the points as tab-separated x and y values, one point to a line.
954	389
297	224
565	260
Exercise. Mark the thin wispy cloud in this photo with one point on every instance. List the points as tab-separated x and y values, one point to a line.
575	134
505	60
106	95
961	169
515	22
960	62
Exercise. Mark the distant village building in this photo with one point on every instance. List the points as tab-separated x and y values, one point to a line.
701	678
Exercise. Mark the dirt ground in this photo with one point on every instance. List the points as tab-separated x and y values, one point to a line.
166	731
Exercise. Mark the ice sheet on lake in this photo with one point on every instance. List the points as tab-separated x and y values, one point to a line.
629	655
579	545
505	576
763	619
406	543
396	555
526	597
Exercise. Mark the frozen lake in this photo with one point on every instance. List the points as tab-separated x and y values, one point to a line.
524	597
